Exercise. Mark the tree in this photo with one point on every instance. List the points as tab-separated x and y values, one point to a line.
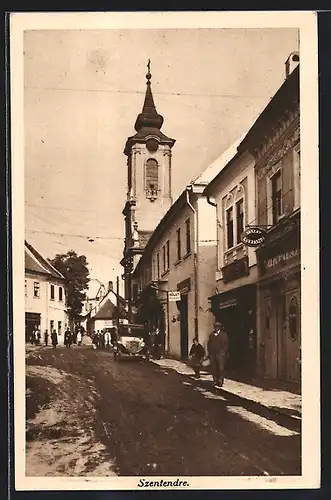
75	271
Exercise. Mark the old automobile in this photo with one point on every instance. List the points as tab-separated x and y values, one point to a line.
131	342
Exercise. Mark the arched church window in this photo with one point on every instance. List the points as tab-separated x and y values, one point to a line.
151	178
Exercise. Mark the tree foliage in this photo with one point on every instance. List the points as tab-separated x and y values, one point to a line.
76	273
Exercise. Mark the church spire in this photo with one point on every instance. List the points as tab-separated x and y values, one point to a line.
149	117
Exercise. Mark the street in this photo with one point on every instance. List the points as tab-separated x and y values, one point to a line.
88	415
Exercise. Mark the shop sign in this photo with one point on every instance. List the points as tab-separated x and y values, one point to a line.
237	269
227	303
174	296
253	236
281	258
184	286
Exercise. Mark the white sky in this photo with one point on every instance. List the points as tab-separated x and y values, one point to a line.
83	91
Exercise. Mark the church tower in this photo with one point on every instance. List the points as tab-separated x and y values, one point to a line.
149	180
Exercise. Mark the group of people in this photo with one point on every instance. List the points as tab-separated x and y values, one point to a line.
69	337
72	338
104	339
217	354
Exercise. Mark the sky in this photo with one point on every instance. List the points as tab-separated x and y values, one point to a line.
83	90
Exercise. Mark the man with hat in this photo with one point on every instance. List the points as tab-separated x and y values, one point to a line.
218	345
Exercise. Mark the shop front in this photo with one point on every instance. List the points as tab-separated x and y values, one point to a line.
279	304
236	310
32	320
150	312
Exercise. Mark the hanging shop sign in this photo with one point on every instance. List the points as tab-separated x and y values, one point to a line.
174	296
253	236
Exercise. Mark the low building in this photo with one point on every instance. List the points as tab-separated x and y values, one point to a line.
45	296
232	191
107	311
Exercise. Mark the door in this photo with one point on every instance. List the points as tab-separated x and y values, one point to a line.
293	335
281	337
184	326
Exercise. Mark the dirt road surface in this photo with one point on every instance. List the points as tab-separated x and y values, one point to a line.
87	415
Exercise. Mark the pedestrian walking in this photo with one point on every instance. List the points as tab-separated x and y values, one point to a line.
218	345
36	335
79	337
98	339
54	338
196	355
107	339
46	337
67	338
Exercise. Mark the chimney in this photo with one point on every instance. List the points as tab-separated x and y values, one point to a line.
291	62
110	286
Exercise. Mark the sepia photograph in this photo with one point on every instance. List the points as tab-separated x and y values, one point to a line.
164	192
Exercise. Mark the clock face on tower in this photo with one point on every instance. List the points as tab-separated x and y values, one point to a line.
152	145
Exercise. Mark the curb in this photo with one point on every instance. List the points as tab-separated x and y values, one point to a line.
290	417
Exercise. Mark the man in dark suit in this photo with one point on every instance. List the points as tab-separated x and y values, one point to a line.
218	346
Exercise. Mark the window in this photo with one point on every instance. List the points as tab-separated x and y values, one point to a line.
52	292
151	178
158	265
26	287
229	227
60	294
276	193
240	219
164	257
36	289
296	177
51	323
179	252
59	327
134	292
167	255
188	236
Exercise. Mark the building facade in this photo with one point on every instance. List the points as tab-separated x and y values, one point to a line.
45	297
233	303
274	141
149	183
175	274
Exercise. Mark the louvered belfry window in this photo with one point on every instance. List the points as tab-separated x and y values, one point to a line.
152	178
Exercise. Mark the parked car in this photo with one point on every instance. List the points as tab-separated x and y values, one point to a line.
131	342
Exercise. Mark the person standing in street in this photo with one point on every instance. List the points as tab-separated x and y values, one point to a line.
54	338
197	353
67	338
79	337
218	345
46	337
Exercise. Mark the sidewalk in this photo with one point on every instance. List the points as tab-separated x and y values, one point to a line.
277	399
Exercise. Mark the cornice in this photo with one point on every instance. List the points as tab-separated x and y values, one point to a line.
272	153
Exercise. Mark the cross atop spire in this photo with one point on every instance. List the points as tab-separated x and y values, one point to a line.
149	117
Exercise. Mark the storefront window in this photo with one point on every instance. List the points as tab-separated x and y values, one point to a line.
293	318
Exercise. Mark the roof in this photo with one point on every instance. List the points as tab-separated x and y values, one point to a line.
209	174
109	311
149	122
286	96
36	263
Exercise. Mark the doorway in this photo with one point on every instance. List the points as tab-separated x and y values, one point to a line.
184	326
